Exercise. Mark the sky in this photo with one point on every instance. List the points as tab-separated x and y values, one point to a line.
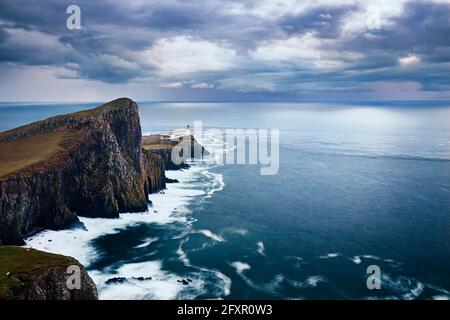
224	50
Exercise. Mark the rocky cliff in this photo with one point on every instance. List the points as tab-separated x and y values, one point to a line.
93	166
164	147
154	169
27	274
165	154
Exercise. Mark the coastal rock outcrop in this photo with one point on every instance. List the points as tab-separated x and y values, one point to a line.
28	274
165	154
89	163
164	146
154	172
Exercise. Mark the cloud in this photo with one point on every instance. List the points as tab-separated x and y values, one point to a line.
171	85
32	47
409	60
202	85
184	54
284	49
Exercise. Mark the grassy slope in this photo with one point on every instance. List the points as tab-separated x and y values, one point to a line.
154	143
24	152
23	265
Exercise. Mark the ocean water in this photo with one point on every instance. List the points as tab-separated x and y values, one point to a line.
359	184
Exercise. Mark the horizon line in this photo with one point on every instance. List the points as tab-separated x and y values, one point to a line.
350	100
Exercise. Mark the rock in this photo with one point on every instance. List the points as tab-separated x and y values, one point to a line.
158	146
123	279
37	275
142	278
184	281
116	280
168	180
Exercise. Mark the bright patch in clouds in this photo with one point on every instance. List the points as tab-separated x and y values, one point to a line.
202	85
184	54
302	51
171	85
409	60
295	49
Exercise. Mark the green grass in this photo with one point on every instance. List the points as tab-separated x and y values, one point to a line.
157	146
21	153
154	143
19	266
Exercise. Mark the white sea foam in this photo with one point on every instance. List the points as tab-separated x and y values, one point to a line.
441	297
147	242
226	287
405	288
330	255
162	285
310	282
240	266
260	248
221	284
239	231
76	242
182	255
209	234
270	287
369	256
356	259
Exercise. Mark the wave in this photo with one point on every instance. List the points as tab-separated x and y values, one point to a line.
240	266
310	282
147	242
146	280
219	285
269	287
210	235
330	255
239	231
260	248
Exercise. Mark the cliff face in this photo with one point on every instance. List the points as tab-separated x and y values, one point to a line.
165	154
28	274
98	170
154	169
163	147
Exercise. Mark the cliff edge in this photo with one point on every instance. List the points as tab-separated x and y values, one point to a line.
88	163
27	274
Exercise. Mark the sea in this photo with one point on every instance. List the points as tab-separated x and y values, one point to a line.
361	186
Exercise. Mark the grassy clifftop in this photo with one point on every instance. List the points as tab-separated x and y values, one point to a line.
32	274
19	154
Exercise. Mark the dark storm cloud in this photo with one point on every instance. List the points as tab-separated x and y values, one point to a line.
111	45
422	30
